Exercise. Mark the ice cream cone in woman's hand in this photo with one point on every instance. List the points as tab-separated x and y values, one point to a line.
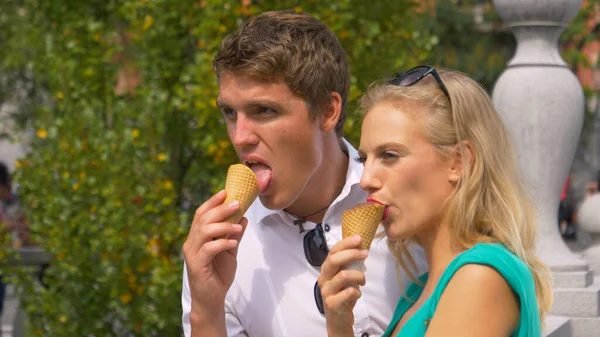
363	219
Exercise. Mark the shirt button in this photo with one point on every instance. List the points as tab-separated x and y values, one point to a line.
326	228
365	334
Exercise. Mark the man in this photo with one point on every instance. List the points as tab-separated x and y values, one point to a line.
283	87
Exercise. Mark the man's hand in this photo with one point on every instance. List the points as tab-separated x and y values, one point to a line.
210	254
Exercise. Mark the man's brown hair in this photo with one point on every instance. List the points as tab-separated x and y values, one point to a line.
294	47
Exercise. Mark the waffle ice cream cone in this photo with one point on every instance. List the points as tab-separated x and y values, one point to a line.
241	185
363	219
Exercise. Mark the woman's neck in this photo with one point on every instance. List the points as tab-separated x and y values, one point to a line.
439	252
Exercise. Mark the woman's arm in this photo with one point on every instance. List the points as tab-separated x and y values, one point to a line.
477	302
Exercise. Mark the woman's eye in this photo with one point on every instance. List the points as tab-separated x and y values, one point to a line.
360	159
388	155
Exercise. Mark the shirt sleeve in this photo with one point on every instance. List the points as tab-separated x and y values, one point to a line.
234	326
186	304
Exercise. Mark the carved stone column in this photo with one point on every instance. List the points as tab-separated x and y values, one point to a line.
542	104
589	222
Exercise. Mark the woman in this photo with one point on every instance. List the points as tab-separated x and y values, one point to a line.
436	153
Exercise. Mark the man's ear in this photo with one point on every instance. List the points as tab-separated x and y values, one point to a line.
462	155
331	112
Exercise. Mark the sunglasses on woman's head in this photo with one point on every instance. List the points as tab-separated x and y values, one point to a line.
414	75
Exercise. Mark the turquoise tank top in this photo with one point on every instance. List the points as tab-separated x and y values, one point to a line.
514	271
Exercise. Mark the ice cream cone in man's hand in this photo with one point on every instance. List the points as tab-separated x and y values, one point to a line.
241	185
363	219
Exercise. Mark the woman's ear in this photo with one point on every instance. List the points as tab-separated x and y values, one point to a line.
462	154
331	112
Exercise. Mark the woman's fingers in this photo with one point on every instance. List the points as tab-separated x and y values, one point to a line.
340	302
347	243
341	281
336	260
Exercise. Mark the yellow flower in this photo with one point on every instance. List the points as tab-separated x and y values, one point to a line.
60	95
148	21
76	186
153	246
162	157
17	164
125	298
139	290
41	133
224	144
168	185
63	318
135	133
298	9
131	279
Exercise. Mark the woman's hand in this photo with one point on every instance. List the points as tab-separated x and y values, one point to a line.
339	296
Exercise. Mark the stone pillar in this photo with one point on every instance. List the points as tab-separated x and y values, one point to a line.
589	222
542	105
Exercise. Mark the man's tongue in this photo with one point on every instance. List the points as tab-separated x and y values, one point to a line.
263	175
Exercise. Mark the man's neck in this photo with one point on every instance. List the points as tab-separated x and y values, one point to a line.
325	185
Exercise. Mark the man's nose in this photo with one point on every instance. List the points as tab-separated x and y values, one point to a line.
243	132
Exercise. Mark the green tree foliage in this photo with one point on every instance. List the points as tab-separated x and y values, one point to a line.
127	140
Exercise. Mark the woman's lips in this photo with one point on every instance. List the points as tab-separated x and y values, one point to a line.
387	208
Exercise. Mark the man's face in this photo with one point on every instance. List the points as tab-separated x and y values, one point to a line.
273	134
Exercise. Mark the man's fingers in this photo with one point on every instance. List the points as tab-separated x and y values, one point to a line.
211	203
211	249
198	234
220	213
206	233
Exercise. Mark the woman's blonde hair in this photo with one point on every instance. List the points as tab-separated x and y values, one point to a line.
489	203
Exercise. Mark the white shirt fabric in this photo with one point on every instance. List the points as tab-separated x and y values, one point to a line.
272	294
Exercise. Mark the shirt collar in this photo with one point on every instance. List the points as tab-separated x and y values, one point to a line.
353	175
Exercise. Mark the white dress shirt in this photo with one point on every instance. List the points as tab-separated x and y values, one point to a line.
272	294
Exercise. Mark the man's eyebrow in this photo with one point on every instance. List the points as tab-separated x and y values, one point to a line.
253	104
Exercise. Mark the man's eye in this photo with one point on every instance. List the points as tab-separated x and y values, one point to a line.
228	112
265	110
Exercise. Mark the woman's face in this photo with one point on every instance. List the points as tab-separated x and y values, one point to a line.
403	170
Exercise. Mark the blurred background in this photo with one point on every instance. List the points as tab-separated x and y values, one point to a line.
111	136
